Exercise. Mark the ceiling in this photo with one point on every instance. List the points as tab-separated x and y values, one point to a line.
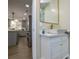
18	6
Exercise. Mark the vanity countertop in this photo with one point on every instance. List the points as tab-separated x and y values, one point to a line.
11	30
52	35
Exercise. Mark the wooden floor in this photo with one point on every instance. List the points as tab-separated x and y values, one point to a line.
21	51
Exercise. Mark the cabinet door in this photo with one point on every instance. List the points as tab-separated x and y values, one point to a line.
65	51
44	48
55	48
59	47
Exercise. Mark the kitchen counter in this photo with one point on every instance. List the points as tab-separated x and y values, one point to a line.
12	38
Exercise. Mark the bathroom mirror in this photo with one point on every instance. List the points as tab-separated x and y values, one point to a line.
49	11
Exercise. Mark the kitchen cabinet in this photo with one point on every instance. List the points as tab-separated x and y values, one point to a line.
12	38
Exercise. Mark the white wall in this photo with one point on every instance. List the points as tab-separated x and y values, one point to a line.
64	14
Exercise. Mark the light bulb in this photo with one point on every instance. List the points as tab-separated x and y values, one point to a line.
16	20
26	5
12	22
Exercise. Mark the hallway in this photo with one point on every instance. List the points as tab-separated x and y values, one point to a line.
21	51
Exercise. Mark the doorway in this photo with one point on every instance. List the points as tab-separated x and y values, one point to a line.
19	29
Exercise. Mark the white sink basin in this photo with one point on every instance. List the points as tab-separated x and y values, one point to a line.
55	31
51	35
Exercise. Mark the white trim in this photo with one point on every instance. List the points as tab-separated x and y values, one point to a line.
35	30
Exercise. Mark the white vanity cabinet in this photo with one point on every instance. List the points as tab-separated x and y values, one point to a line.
54	47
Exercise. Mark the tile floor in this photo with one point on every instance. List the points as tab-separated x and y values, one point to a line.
21	51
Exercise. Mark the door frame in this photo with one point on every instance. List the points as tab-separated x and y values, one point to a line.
36	30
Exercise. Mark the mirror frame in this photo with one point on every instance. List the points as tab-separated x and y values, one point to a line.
58	16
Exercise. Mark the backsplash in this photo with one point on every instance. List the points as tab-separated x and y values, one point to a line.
48	26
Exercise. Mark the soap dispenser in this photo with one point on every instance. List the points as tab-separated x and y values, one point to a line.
43	31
